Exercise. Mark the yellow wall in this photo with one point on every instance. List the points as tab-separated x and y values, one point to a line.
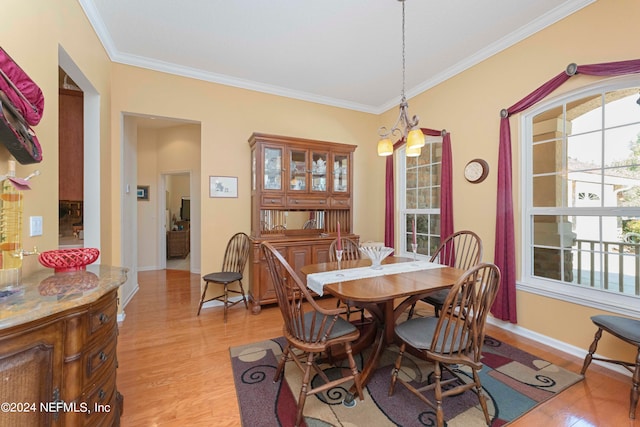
228	116
467	105
31	35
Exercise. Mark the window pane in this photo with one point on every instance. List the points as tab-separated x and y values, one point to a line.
619	143
621	107
547	157
585	150
412	199
548	191
585	114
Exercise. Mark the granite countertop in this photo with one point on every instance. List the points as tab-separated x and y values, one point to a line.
45	293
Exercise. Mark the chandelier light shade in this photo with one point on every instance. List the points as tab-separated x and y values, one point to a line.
413	151
385	147
404	127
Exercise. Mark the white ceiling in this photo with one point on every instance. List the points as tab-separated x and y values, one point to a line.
345	53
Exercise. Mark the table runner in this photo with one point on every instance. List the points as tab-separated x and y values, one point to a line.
316	281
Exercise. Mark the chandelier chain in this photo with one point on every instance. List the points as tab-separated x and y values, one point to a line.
403	55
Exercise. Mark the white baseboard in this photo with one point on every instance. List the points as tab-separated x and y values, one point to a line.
554	343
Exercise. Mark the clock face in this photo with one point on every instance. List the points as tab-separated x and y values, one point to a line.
476	170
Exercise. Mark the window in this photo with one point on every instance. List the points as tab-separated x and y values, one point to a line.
419	197
581	193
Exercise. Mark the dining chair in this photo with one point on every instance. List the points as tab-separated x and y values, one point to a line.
235	259
310	329
451	341
350	252
462	249
628	330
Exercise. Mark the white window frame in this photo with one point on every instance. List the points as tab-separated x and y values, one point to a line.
401	199
604	300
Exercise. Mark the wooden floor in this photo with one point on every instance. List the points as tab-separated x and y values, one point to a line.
175	370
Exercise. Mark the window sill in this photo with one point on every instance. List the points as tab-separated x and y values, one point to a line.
602	300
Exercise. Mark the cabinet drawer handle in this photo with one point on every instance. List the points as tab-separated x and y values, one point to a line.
103	356
103	318
102	394
322	202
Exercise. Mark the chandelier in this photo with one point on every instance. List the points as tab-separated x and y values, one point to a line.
403	127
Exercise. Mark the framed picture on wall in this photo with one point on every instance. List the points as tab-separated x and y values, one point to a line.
143	192
223	186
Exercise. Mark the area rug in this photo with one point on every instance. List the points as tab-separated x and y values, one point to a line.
514	381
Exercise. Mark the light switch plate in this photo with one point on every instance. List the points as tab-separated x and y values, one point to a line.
35	226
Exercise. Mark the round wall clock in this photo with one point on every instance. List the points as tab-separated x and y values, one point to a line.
476	170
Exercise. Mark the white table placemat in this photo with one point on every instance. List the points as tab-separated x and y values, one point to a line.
316	281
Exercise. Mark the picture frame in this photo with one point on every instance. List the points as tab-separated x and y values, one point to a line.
223	186
143	192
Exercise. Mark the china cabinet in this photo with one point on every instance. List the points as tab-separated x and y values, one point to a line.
301	192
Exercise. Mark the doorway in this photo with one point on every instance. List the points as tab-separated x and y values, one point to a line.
90	147
177	223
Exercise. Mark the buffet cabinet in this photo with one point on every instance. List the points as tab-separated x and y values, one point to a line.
301	194
59	369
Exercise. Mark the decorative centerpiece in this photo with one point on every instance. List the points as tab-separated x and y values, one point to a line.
74	259
376	254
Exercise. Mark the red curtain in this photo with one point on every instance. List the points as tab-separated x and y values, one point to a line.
446	190
504	307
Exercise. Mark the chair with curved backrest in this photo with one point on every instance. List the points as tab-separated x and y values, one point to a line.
454	338
462	249
308	328
349	252
235	259
627	330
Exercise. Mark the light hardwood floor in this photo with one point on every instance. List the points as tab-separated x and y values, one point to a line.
175	370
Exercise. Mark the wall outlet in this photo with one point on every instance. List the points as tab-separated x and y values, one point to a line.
35	226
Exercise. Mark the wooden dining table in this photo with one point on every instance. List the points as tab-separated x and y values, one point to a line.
385	297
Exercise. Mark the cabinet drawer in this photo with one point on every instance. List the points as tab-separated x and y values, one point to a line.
99	357
102	317
276	200
101	401
305	202
340	202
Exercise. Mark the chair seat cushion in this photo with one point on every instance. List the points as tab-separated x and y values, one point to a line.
341	327
625	328
418	333
222	277
437	297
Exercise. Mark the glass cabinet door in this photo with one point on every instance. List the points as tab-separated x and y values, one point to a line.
298	170
340	173
272	168
319	171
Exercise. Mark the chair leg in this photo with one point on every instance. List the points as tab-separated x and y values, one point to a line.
635	391
481	396
303	391
396	369
226	301
283	361
411	311
244	298
592	350
354	370
204	292
437	374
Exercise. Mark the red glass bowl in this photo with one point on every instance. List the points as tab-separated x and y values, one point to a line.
73	259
